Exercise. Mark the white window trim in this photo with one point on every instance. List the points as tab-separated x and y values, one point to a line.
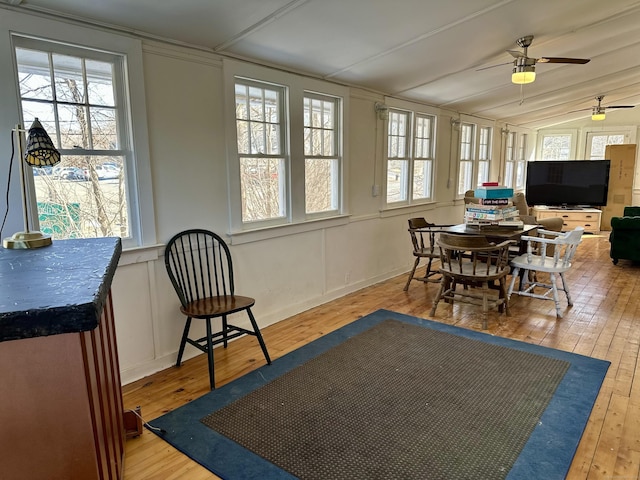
573	132
297	219
479	123
143	229
629	132
414	109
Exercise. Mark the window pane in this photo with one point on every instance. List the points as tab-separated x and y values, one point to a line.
262	186
397	177
104	131
34	75
483	172
599	142
100	83
258	120
322	171
398	134
556	147
83	197
422	179
321	185
423	137
465	180
69	84
508	174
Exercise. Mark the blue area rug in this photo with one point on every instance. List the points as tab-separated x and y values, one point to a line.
546	453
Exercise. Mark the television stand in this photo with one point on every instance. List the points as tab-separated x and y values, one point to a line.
588	218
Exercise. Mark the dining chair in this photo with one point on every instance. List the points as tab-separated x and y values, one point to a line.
200	268
424	245
475	263
537	260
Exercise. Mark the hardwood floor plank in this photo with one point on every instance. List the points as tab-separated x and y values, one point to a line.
602	324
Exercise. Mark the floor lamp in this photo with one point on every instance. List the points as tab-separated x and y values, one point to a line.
40	152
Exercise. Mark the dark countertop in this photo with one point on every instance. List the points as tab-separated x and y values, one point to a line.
57	289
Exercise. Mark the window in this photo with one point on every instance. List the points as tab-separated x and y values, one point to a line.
260	127
398	157
79	96
521	162
484	155
509	168
556	147
515	160
410	156
284	172
597	143
475	156
423	157
321	150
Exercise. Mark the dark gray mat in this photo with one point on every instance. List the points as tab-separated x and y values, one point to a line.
397	401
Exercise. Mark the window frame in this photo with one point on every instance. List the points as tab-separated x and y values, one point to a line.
407	183
296	220
122	116
515	159
629	134
337	156
572	134
477	126
141	209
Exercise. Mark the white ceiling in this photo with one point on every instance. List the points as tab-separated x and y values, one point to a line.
425	50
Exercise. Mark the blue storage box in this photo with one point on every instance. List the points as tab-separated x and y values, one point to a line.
493	192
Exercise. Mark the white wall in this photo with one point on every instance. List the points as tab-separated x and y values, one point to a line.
286	274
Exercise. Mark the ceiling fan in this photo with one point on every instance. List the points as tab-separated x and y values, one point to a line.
524	67
598	111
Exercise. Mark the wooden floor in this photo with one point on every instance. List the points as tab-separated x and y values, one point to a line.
603	323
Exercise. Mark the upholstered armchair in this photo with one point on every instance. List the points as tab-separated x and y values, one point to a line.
625	236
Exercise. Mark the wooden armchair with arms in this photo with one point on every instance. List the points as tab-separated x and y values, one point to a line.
537	260
423	239
475	263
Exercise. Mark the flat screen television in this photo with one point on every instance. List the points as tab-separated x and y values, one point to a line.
568	183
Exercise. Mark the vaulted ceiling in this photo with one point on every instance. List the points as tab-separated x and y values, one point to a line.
432	51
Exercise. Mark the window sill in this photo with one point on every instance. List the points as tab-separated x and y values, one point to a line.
392	211
133	255
248	236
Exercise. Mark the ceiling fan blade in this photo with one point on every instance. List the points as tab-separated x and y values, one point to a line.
620	106
580	61
515	53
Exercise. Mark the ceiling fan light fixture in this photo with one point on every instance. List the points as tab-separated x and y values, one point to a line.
597	114
523	74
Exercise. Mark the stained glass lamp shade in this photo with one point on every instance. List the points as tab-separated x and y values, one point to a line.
40	152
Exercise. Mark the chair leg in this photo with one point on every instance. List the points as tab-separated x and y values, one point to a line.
565	287
212	382
514	277
556	298
413	272
436	299
485	304
224	330
259	336
505	297
183	341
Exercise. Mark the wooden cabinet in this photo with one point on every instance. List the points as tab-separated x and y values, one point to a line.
588	218
61	412
623	160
